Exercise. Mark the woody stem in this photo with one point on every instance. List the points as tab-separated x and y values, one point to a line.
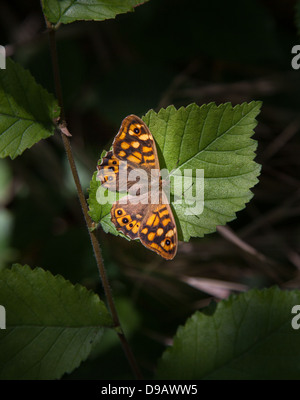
89	223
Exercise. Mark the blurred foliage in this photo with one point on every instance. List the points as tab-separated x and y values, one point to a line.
166	52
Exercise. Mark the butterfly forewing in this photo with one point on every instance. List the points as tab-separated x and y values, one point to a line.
134	143
113	173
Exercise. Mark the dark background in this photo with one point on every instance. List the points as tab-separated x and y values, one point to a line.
166	52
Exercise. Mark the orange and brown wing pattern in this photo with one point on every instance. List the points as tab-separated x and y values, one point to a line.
127	218
109	173
108	170
158	231
154	225
134	143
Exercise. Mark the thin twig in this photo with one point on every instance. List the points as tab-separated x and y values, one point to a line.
278	143
274	215
95	244
270	266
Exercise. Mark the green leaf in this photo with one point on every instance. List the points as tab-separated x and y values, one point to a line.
96	211
26	111
100	212
51	324
218	140
215	139
66	11
249	336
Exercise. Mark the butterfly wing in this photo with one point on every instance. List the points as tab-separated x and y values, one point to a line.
109	172
133	147
135	144
158	230
128	217
153	224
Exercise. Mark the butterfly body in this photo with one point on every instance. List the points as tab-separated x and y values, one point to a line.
148	216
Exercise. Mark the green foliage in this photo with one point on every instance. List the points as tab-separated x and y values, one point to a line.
51	324
216	139
66	11
248	337
27	111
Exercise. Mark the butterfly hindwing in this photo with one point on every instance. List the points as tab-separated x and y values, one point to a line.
158	231
154	226
127	218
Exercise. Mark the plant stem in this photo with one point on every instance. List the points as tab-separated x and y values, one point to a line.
89	223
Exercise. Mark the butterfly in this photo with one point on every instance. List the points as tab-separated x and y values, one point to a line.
152	223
